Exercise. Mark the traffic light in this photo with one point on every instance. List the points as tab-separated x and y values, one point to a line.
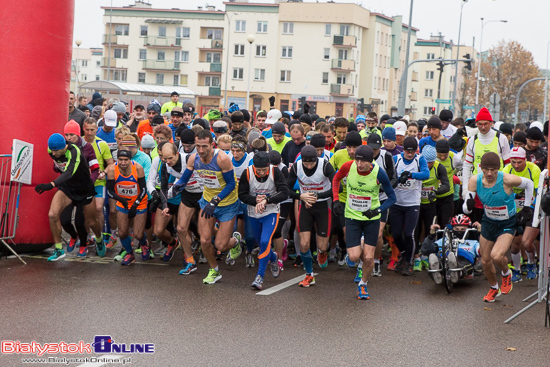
368	107
361	104
433	110
440	66
302	102
468	63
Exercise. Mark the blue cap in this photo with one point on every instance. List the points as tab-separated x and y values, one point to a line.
388	133
360	118
56	142
429	153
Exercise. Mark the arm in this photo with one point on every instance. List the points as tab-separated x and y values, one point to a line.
511	181
244	190
146	166
163	187
467	166
71	166
142	186
390	169
228	175
388	189
328	170
186	174
443	179
92	161
152	178
284	155
469	194
505	148
339	176
424	173
111	192
291	181
282	189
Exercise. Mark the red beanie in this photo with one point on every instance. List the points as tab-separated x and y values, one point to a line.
484	114
72	127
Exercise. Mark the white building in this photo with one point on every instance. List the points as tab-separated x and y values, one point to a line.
87	62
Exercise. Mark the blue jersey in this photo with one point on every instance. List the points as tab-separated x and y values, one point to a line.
497	204
468	250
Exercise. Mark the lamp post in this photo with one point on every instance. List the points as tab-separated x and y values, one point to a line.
109	53
250	38
403	85
225	102
457	54
480	56
546	85
77	87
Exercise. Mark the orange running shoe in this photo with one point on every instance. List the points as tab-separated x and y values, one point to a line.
308	280
392	264
322	259
507	284
492	295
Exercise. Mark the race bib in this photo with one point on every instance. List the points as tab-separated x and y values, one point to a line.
497	212
127	189
210	179
359	203
426	191
60	165
520	203
410	184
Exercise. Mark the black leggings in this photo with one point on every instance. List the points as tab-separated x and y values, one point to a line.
445	209
285	209
425	220
79	222
403	223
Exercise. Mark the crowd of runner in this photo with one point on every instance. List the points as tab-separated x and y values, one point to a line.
296	187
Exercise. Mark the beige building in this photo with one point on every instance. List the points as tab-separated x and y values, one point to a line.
87	62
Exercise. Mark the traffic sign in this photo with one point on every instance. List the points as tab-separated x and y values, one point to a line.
442	101
468	107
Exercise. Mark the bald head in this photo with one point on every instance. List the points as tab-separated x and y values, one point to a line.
170	154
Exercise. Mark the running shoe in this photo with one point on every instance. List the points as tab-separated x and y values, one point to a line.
100	248
392	264
235	251
202	259
532	271
358	275
451	259
342	258
492	295
258	282
400	265
275	270
322	259
145	252
507	284
524	268
151	253
407	270
82	251
57	254
308	280
171	250
376	270
188	268
121	255
281	265
249	260
516	276
255	251
435	265
129	259
138	250
73	242
298	262
362	292
212	277
417	265
425	264
350	263
112	241
331	257
284	254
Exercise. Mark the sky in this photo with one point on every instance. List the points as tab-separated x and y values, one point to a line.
525	19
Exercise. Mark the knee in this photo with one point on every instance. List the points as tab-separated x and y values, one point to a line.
353	257
53	216
122	233
206	242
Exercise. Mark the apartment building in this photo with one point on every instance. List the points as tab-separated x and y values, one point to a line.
87	61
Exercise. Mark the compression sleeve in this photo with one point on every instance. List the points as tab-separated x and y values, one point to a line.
185	177
388	189
424	173
339	176
143	191
443	179
528	185
229	178
111	192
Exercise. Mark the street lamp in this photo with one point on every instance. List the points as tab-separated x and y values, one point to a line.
250	38
227	59
109	52
77	42
458	54
480	56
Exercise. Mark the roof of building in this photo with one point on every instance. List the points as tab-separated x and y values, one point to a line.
104	85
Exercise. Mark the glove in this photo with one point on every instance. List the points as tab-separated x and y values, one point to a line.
155	195
525	216
272	101
404	177
371	213
132	212
338	207
432	196
470	204
40	188
209	209
176	189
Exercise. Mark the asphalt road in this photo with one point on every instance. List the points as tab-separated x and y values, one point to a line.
409	321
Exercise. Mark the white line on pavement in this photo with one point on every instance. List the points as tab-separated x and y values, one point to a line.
109	357
282	286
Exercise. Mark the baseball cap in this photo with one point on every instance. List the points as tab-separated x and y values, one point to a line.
189	109
110	118
309	154
273	116
139	106
410	143
518	152
364	153
400	128
374	141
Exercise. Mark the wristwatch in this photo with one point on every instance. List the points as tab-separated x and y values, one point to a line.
217	199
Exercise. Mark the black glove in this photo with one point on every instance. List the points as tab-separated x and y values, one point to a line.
209	209
272	101
132	212
40	188
524	216
338	207
156	195
404	177
176	189
432	196
371	213
470	204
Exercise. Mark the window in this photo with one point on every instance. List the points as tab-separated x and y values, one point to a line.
84	62
325	78
328	29
284	105
287	52
288	28
141	77
161	55
261	27
212	81
83	77
344	30
182	56
326	53
343	54
238	73
142	54
376	60
121	53
160	79
427	110
240	26
340	78
214	34
428	93
176	80
98	63
430	56
374	86
162	31
183	32
239	50
213	57
259	75
261	50
377	36
143	30
97	77
452	78
285	75
118	75
183	80
429	75
122	29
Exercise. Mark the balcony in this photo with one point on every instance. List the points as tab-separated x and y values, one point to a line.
341	89
168	65
214	68
214	45
413	96
344	41
162	42
214	91
343	65
105	62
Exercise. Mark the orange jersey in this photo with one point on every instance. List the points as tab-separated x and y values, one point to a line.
128	187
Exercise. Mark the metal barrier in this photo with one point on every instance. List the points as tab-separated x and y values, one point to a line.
9	204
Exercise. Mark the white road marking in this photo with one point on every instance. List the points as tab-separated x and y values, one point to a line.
109	357
279	287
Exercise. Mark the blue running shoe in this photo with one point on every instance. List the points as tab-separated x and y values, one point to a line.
145	252
100	248
516	276
57	254
359	275
188	268
129	259
531	271
362	292
82	251
350	263
72	244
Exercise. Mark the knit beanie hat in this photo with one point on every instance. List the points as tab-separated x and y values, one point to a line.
484	115
388	133
429	153
72	127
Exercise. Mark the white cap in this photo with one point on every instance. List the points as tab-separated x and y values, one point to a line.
497	125
537	125
110	118
400	128
273	116
518	152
